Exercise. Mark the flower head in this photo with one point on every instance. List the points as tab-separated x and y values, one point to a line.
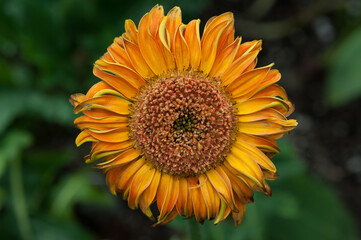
184	121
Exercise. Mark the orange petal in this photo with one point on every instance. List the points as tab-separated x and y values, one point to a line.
192	38
105	120
265	114
167	219
199	206
126	178
238	216
84	137
240	188
181	51
141	181
211	198
272	91
131	32
247	47
258	104
224	59
137	59
182	198
221	185
265	145
113	136
110	103
101	149
149	47
164	41
167	195
122	71
99	86
119	55
247	81
174	19
118	83
223	212
257	155
112	178
209	44
237	68
267	127
125	157
156	14
76	99
149	194
227	36
272	77
244	164
102	126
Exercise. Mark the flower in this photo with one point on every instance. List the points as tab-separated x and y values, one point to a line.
182	120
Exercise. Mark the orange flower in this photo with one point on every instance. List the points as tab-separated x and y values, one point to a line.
184	121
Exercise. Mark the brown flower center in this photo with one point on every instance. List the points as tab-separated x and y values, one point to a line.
183	123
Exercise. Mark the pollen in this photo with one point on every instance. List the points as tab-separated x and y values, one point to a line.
183	123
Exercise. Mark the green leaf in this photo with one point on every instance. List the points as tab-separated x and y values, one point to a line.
76	188
50	228
55	109
343	81
12	145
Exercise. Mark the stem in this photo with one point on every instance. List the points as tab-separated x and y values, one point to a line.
19	202
194	230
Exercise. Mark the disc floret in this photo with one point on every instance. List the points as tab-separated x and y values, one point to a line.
183	123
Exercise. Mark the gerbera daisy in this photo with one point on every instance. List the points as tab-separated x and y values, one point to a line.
184	121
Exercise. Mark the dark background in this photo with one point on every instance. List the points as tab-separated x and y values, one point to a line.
47	49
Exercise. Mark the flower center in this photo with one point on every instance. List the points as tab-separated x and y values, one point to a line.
183	123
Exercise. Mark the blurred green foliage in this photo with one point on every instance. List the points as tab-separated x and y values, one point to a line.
343	82
47	48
